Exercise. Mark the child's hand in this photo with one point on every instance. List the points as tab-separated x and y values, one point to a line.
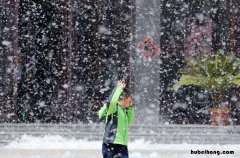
121	83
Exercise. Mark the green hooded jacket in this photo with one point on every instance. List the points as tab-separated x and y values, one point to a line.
117	119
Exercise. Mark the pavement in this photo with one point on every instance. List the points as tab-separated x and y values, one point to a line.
160	135
60	153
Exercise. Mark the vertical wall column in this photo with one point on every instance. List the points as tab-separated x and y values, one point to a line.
15	60
7	112
146	72
69	60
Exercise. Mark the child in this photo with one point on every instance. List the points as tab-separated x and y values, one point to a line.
119	114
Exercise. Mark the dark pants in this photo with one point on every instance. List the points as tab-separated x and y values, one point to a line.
114	151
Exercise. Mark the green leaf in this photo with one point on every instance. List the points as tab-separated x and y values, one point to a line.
215	70
190	80
236	79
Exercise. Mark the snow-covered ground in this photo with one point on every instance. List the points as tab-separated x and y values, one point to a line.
59	147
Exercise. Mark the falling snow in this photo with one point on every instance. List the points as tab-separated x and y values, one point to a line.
61	59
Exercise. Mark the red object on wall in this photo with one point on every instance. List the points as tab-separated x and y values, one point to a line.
148	47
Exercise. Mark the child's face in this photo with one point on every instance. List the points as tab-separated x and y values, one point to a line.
127	102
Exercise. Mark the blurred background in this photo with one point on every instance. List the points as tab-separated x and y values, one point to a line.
60	59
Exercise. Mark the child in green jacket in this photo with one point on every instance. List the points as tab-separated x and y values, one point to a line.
119	114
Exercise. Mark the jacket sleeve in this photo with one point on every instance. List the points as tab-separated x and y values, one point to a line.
102	111
131	114
114	100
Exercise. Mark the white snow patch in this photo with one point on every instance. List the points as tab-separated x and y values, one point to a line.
179	105
6	43
234	98
104	30
58	142
41	103
137	149
78	88
65	86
